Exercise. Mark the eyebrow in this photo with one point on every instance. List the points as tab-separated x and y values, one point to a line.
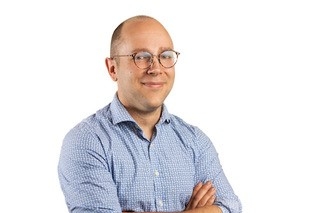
162	49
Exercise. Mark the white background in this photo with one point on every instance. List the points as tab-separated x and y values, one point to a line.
248	75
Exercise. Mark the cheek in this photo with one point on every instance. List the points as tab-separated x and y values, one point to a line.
128	78
172	76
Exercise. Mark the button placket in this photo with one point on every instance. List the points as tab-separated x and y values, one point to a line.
156	174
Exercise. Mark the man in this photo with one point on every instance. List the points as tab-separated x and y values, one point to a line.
133	155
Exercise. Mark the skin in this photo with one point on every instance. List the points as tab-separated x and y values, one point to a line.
142	92
203	194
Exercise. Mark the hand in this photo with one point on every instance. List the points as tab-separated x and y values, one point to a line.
202	195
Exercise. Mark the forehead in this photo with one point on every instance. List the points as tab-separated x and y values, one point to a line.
145	34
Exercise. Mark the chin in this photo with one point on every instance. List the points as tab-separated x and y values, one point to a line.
154	101
154	105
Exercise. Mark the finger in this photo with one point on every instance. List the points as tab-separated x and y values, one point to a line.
212	199
197	188
194	192
202	195
206	198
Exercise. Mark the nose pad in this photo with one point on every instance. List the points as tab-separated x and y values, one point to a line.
155	67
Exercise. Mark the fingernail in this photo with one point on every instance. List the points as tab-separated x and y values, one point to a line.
200	184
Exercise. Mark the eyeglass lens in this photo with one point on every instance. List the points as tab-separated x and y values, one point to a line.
144	60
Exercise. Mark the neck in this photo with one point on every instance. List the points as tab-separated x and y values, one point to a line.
146	120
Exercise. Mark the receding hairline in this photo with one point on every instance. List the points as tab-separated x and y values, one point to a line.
116	36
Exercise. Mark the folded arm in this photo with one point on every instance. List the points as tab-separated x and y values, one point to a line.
202	199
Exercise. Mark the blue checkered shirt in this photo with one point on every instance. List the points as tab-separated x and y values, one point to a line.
107	165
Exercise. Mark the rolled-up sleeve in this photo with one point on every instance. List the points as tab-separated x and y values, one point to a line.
209	168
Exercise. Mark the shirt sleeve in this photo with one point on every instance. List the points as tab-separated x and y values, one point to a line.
84	176
208	167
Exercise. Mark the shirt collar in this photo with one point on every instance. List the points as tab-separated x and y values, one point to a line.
120	114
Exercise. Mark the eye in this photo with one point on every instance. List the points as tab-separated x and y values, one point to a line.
142	56
167	54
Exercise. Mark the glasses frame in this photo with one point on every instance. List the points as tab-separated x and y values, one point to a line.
133	55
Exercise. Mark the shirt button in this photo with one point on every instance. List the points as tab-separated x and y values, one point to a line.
156	173
160	203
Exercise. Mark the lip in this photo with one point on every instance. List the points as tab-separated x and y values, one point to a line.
153	84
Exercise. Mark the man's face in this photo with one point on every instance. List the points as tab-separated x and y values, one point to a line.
143	89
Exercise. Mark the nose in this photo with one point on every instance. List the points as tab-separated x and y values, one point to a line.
155	66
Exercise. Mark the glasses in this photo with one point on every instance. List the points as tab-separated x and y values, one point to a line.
144	59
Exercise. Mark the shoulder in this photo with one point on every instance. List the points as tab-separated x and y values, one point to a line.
192	133
178	122
192	136
87	129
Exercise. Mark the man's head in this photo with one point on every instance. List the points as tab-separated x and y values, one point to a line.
144	79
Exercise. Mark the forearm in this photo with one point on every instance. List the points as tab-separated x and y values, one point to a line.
203	209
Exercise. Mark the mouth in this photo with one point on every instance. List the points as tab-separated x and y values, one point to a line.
153	84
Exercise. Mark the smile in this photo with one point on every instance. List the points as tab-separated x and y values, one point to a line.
153	84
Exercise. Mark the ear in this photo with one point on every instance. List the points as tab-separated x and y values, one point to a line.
111	66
